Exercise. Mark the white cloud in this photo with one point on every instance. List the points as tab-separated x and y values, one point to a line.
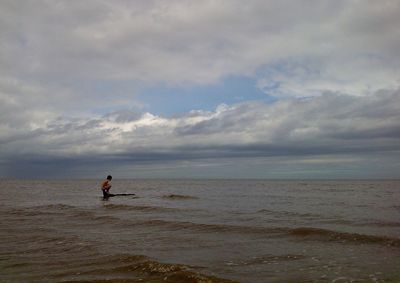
328	124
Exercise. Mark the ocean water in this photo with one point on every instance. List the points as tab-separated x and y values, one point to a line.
200	231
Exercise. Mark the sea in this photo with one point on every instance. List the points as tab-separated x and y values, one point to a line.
200	231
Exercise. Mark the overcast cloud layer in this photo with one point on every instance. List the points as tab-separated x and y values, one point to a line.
74	76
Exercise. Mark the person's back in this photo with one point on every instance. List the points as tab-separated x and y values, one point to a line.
106	186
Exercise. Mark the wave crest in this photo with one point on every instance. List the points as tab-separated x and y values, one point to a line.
179	197
138	266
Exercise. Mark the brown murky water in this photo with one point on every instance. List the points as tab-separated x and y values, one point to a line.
200	231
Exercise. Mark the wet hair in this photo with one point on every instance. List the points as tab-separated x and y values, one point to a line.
109	177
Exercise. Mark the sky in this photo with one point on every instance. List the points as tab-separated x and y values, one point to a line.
300	89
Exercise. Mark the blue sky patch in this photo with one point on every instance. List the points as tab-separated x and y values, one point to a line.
169	100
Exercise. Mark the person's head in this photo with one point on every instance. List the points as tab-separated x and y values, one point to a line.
109	177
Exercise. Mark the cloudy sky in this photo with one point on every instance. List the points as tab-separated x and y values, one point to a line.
202	89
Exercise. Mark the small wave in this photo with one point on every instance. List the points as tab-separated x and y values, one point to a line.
268	259
301	232
44	213
288	213
28	213
139	208
359	223
330	235
376	224
179	197
58	206
336	221
201	227
151	267
384	224
150	270
397	207
52	209
46	243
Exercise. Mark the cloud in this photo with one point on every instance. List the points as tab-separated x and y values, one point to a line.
197	42
313	77
70	74
332	124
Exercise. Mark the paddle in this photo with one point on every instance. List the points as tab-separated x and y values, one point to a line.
118	195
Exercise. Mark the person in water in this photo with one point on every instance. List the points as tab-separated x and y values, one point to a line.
106	186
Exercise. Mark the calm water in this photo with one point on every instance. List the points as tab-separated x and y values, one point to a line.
200	231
